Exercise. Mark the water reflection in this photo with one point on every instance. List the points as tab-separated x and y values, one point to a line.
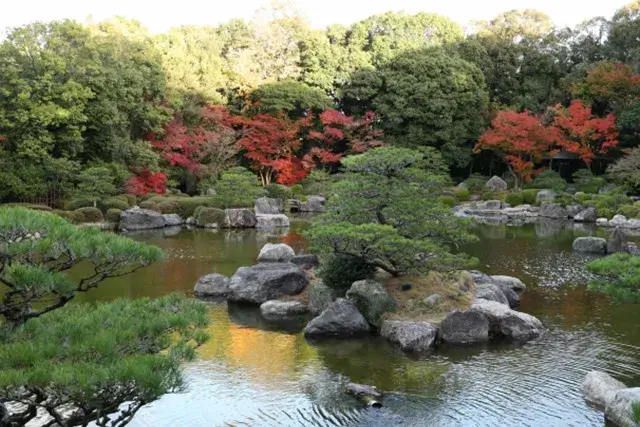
259	373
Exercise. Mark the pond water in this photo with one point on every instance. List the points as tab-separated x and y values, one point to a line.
252	373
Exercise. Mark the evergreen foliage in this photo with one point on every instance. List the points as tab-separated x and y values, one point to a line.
620	277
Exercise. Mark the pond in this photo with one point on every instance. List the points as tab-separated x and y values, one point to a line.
252	373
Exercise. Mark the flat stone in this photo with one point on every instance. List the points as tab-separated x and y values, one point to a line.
140	219
410	335
275	309
278	252
171	220
599	388
268	206
266	281
433	300
464	327
512	282
272	221
340	320
212	285
239	218
590	245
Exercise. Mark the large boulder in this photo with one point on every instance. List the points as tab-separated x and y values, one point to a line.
306	261
546	195
372	300
172	220
341	319
507	323
553	210
512	282
278	252
313	204
212	286
239	218
491	292
617	242
619	408
464	327
268	206
512	296
496	184
590	245
410	335
574	210
275	309
489	205
599	388
320	297
587	215
272	221
265	281
140	219
618	221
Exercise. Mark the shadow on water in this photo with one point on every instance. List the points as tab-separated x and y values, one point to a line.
259	373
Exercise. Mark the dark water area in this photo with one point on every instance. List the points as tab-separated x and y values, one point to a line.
256	373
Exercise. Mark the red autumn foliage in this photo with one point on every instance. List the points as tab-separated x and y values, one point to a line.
147	182
521	140
614	83
581	133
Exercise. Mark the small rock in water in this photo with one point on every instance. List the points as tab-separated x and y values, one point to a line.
360	390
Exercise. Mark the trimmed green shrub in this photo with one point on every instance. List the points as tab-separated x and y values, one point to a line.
183	206
90	214
488	196
74	204
297	191
475	183
447	200
529	196
237	188
620	277
151	204
113	215
605	213
317	182
548	179
205	216
32	206
340	271
461	193
630	211
586	182
149	196
114	203
71	216
131	199
278	191
514	199
581	197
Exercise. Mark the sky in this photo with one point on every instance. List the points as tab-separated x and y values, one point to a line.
160	15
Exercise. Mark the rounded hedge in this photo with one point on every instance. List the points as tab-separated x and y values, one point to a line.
461	193
515	199
447	201
529	196
113	215
207	216
90	214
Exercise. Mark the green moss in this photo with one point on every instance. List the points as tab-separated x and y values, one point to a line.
90	214
113	215
461	193
447	200
515	199
206	216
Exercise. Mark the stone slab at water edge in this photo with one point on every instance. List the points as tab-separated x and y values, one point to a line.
212	286
275	309
140	219
617	400
341	319
268	206
413	336
266	281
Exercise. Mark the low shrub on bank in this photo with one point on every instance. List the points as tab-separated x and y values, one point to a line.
475	183
77	203
279	191
605	213
630	211
449	201
514	199
340	271
71	216
113	215
114	203
461	193
32	206
529	196
205	216
619	277
90	214
548	179
183	206
586	182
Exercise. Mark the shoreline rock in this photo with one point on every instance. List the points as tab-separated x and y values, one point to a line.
212	286
276	309
266	281
413	336
341	319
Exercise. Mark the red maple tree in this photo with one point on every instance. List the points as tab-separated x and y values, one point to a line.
521	140
616	84
582	134
147	182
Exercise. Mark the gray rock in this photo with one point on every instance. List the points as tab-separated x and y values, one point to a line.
574	210
433	300
512	296
239	218
632	248
171	220
372	300
313	204
191	221
490	205
306	261
590	245
491	292
607	188
480	278
512	282
599	388
618	221
410	335
278	252
617	242
507	323
361	390
212	285
320	297
265	281
340	319
496	184
140	219
275	309
553	210
587	215
546	195
272	221
268	206
618	409
464	327
602	222
475	197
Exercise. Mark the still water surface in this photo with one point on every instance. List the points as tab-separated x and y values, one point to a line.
252	373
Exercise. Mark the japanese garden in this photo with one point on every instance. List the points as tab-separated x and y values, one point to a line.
400	221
